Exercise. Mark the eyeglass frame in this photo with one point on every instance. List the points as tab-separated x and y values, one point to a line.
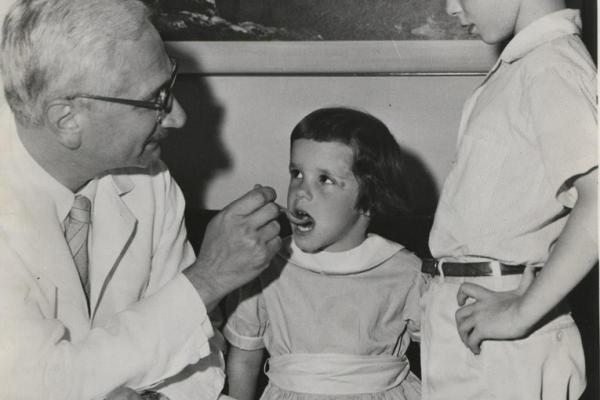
163	102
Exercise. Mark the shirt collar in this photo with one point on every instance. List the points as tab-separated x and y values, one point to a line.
542	30
47	186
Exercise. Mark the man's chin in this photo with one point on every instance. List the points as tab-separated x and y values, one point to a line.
151	153
149	159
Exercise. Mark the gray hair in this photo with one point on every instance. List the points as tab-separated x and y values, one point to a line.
56	48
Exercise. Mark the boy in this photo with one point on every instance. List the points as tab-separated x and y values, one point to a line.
520	199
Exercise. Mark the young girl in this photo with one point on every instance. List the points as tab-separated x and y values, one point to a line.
337	307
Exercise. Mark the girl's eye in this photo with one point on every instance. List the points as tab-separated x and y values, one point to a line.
326	180
294	173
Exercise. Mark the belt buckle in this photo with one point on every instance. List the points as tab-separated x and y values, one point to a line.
496	268
438	266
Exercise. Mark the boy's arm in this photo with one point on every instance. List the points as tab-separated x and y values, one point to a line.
243	367
510	315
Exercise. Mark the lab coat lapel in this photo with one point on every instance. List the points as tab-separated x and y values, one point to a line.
40	242
113	227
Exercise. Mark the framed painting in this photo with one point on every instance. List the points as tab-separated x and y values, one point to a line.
231	37
316	37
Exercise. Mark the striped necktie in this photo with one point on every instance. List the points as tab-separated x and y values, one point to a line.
76	232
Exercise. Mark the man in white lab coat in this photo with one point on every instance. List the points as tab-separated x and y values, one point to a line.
89	84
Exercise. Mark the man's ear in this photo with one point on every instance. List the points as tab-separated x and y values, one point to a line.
64	121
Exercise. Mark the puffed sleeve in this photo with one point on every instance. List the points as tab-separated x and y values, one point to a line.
247	317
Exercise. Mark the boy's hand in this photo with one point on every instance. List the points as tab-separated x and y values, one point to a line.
491	315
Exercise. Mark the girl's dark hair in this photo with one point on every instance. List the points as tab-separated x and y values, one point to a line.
378	160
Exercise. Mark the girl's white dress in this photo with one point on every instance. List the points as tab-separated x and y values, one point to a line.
336	325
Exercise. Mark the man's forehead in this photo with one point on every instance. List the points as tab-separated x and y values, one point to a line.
143	65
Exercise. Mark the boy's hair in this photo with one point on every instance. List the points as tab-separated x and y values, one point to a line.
378	160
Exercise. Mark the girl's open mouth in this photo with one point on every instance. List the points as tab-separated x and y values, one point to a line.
301	220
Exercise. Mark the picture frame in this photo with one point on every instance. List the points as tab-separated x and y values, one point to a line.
388	57
311	37
219	37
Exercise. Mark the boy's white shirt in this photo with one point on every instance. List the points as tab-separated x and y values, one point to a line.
488	154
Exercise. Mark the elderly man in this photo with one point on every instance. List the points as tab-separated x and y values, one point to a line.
100	292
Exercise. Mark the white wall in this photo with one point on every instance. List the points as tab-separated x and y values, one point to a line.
238	127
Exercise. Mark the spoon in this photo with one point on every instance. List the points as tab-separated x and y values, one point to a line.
290	215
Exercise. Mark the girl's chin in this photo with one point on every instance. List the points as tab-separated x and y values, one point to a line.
314	245
311	246
305	244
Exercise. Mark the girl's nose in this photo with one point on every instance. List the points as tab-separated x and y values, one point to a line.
304	191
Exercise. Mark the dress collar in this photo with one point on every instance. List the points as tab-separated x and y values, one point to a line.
370	253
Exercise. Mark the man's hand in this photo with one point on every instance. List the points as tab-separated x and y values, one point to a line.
491	315
123	393
238	244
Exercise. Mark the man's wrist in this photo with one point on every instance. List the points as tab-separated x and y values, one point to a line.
203	287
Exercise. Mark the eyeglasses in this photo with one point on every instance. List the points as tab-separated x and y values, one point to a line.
163	103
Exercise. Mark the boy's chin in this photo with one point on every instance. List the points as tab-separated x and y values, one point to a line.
494	39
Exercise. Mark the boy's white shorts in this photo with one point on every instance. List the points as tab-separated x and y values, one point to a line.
549	364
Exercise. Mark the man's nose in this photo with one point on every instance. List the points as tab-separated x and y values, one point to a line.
453	7
175	118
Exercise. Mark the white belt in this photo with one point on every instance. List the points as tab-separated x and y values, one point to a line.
336	373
